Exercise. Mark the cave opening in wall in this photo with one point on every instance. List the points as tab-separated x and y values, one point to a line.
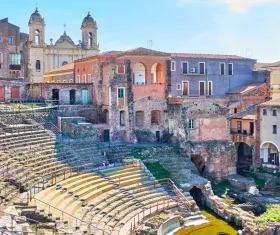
244	158
199	163
197	195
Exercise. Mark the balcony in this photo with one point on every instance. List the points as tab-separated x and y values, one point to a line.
243	135
15	67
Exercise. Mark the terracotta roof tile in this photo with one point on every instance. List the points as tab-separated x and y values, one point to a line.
64	68
273	102
246	113
145	51
209	56
266	65
246	88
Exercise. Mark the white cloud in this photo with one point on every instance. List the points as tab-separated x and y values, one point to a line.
238	6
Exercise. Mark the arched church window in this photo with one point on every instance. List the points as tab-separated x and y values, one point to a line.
37	36
64	63
38	65
90	39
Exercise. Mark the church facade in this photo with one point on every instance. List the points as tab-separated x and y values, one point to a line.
43	57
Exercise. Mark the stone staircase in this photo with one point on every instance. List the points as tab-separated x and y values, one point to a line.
107	200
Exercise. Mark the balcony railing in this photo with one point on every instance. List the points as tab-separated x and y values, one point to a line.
241	132
15	67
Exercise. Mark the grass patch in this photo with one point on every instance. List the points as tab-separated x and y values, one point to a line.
260	182
220	188
272	214
157	170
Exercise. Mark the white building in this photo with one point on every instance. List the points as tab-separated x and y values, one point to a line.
270	131
44	57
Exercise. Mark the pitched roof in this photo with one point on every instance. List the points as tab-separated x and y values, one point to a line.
65	68
111	53
246	113
209	56
246	88
145	51
273	102
266	65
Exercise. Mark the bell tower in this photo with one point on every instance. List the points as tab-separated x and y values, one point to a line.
36	26
89	33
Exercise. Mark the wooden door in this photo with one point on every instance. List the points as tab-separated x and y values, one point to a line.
2	94
15	92
202	88
185	88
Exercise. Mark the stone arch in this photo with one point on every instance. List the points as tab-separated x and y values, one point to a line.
90	39
139	73
37	37
199	162
157	74
244	158
105	116
269	153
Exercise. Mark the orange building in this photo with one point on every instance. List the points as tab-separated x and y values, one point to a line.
130	88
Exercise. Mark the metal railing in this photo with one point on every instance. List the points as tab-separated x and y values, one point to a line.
242	131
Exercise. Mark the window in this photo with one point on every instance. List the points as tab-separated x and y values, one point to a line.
1	37
201	88
264	112
89	78
274	129
185	67
11	40
155	117
274	113
58	81
38	65
178	86
84	78
230	69
14	58
235	110
222	68
64	81
173	66
120	69
78	79
64	63
78	70
209	87
191	124
201	66
122	118
121	93
71	80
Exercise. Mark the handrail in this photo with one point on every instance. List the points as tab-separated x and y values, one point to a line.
71	216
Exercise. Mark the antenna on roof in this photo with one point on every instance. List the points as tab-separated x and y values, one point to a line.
248	53
64	27
150	44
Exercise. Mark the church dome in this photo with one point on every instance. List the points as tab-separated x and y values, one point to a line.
88	21
64	37
36	17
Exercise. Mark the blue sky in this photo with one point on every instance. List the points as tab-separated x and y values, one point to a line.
243	27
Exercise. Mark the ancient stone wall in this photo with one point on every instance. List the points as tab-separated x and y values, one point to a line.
7	85
215	160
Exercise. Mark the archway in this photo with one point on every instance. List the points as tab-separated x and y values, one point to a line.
244	158
199	163
139	73
37	36
157	74
197	195
105	116
270	153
